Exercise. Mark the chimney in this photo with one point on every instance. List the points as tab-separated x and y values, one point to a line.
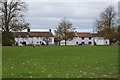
28	30
49	30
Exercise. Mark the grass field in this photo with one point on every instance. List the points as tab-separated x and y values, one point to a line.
60	62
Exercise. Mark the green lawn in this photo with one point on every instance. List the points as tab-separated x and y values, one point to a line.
60	62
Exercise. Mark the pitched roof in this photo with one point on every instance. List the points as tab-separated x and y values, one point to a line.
71	34
21	34
95	34
33	34
84	34
41	34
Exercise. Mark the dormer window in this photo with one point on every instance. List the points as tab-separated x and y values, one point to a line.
82	38
89	37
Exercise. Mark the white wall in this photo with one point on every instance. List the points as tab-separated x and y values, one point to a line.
19	40
51	41
36	41
33	40
79	40
101	41
98	41
70	42
86	41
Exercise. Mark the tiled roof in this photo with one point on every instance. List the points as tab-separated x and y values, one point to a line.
84	34
41	34
49	34
71	34
20	34
95	35
33	34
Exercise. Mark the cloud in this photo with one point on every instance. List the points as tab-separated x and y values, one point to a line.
48	14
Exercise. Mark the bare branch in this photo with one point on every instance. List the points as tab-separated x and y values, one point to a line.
105	25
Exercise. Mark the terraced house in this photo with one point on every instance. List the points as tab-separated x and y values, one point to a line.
85	38
47	38
34	38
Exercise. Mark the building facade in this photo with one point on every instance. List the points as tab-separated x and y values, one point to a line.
34	38
86	38
47	38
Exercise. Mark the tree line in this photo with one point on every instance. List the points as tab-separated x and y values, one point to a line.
12	19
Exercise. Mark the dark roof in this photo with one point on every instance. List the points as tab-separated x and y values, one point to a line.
95	35
33	34
41	34
21	34
84	34
71	34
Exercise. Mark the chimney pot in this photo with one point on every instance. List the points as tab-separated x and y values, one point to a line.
28	30
49	30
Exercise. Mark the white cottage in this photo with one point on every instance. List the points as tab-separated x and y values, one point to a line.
80	38
85	38
100	40
34	38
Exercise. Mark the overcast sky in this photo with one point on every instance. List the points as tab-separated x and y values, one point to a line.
82	14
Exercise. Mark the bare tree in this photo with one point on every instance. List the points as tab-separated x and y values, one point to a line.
106	24
12	16
61	31
47	40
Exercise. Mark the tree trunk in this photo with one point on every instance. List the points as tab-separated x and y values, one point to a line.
110	41
6	25
59	43
6	39
65	42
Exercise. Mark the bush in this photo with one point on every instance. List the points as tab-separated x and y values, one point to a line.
9	41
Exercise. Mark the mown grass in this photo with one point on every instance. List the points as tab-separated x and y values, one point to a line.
60	62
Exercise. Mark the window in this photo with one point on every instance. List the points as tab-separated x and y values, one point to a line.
23	43
50	40
90	43
83	43
82	37
106	42
89	37
76	42
37	37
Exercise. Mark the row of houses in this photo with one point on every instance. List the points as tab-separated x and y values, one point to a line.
47	38
86	38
